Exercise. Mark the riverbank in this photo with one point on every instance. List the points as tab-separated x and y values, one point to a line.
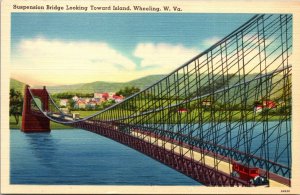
193	118
13	125
53	125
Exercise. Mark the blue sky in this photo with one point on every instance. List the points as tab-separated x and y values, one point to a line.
60	48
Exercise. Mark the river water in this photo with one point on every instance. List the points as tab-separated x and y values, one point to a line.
78	157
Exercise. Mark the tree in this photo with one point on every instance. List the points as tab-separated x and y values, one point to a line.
128	91
72	105
69	95
16	104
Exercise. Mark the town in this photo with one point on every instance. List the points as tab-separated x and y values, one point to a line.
76	101
98	102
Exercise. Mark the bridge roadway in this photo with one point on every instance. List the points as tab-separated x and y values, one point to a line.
224	165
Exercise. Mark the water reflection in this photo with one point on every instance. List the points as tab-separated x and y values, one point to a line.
78	157
38	143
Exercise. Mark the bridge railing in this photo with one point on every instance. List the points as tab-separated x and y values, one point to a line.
240	79
246	135
257	49
236	94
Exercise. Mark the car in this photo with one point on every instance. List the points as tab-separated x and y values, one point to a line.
248	173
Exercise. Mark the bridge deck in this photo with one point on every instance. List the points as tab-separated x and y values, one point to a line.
223	165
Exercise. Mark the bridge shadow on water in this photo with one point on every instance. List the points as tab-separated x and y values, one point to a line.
39	143
33	158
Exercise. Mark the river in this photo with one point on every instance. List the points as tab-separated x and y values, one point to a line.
78	157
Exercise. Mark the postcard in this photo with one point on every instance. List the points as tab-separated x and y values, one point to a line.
149	97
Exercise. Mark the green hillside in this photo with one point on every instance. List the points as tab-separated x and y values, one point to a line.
145	81
17	85
101	86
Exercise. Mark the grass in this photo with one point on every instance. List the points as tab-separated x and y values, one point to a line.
206	116
53	125
85	113
156	118
14	125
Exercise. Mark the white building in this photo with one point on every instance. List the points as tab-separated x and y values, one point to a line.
75	98
97	95
63	102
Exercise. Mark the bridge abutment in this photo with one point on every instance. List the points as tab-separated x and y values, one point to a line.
34	122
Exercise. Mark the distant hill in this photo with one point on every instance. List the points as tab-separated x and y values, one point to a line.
101	86
146	81
17	85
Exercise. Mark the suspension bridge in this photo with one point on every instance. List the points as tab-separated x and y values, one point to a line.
223	118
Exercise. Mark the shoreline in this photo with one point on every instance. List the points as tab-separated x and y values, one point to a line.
54	126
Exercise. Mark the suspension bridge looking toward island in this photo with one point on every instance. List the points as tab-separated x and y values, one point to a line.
223	118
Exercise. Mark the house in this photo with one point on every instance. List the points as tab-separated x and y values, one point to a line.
206	103
265	104
269	104
91	104
105	96
87	100
97	95
281	103
63	102
80	104
98	101
75	98
182	110
258	108
118	98
108	96
111	95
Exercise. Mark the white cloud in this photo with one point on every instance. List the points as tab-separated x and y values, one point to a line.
64	62
163	57
206	43
47	61
43	61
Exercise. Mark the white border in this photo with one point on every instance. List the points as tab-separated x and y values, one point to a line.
292	7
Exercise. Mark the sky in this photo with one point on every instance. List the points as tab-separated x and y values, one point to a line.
60	48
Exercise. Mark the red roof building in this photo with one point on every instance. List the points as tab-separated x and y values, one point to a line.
182	110
105	96
269	104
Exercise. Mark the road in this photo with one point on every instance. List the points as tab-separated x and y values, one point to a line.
222	165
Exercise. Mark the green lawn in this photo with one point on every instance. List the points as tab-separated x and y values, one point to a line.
53	125
13	125
193	116
85	113
156	118
12	122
